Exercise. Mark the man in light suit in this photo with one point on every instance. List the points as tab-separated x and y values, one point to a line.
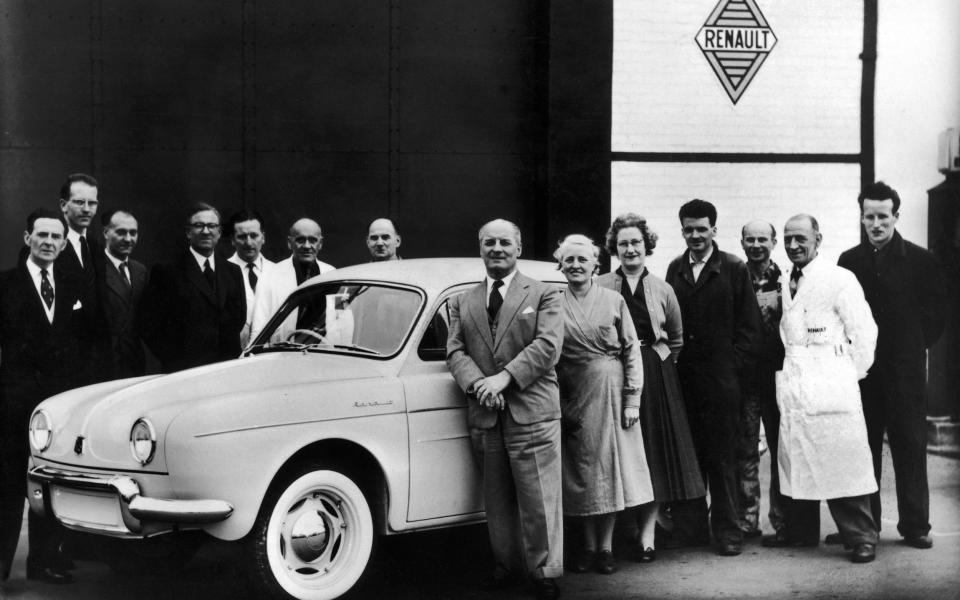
305	241
193	310
44	324
505	340
120	284
247	236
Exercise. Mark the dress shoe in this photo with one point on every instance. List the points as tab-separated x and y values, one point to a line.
606	565
781	540
646	555
499	579
833	539
923	542
583	561
863	553
545	589
48	575
729	548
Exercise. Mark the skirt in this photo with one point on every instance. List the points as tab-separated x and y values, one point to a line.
671	457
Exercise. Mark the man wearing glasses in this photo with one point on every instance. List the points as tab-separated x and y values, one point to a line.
193	309
305	240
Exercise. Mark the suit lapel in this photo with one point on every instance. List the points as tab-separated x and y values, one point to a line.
516	294
138	276
477	309
115	283
34	304
686	271
195	275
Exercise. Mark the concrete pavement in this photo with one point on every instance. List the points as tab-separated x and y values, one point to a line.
448	564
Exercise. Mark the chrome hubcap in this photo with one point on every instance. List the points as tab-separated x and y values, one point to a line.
312	534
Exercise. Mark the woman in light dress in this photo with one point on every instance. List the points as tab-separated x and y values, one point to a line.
601	378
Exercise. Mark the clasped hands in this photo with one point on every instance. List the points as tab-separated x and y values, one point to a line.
489	390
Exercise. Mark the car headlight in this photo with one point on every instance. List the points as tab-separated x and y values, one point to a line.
143	441
41	430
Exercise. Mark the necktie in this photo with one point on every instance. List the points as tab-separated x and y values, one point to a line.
125	271
795	276
208	273
496	300
46	290
252	276
84	252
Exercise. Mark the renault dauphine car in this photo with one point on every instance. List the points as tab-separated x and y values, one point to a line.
339	423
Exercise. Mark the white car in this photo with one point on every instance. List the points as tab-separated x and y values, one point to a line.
340	422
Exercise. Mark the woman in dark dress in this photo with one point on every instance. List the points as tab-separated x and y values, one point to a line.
674	471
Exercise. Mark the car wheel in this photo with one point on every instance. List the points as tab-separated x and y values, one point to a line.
313	536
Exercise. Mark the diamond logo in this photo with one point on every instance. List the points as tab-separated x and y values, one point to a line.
735	40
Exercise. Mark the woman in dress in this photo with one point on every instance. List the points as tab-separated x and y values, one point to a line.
655	313
601	378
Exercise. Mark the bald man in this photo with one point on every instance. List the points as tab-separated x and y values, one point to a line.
759	400
305	240
383	240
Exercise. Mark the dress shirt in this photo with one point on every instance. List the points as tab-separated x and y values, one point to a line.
74	238
697	265
201	259
34	271
503	290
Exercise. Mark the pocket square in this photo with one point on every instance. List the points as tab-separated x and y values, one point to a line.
78	305
527	310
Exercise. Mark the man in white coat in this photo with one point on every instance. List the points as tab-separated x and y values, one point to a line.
304	240
829	338
247	237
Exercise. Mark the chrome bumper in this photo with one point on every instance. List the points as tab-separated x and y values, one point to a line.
141	516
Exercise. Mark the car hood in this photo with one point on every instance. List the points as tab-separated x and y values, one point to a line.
103	414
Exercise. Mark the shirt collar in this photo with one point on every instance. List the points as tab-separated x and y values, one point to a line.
116	261
74	237
34	270
202	259
506	283
258	262
693	258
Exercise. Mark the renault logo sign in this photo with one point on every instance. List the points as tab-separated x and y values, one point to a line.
736	39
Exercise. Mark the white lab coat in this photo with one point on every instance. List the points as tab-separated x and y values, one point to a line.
271	293
829	337
266	267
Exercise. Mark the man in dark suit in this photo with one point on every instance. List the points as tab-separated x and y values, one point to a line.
79	204
504	343
721	339
905	291
44	323
120	284
193	310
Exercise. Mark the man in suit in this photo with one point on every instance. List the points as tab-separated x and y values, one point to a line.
305	241
79	204
505	339
905	290
120	284
721	339
193	310
247	237
44	323
383	240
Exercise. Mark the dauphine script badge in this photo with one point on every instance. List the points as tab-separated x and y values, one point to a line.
736	39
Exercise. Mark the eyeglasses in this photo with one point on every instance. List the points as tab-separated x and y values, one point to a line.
198	227
81	203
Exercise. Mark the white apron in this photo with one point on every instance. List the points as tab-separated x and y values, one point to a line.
829	338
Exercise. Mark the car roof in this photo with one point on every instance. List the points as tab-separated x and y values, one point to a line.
434	274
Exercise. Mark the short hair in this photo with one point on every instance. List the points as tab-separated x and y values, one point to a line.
879	191
242	216
396	231
106	217
773	230
72	179
699	209
516	230
576	239
625	221
813	221
45	213
199	207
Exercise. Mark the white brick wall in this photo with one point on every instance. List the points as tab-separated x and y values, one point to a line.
804	99
741	193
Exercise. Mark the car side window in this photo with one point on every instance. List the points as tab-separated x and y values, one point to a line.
433	344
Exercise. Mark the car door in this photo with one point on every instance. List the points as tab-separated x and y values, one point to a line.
444	472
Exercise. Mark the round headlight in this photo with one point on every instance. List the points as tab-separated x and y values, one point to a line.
143	441
41	431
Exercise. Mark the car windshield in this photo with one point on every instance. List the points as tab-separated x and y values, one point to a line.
361	318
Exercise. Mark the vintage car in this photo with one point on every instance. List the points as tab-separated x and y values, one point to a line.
339	422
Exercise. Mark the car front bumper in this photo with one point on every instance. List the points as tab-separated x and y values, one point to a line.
110	504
